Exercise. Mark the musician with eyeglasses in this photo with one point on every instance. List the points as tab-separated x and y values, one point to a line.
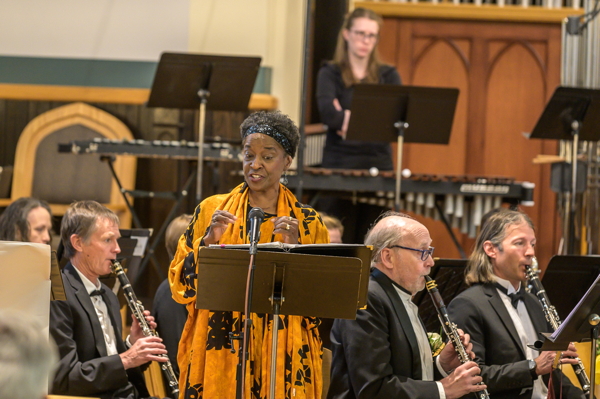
355	61
385	351
503	319
94	359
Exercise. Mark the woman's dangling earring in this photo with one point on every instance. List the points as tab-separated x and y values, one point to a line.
283	179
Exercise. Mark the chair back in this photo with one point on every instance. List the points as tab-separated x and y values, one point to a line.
41	171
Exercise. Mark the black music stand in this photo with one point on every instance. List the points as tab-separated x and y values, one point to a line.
571	114
283	284
449	275
186	81
133	243
573	271
385	112
580	325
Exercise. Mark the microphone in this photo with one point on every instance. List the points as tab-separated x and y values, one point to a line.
255	217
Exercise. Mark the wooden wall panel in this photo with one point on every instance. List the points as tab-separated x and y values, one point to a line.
505	72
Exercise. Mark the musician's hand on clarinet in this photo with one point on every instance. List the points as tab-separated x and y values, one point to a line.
144	350
544	362
463	380
136	330
449	359
569	356
218	224
287	226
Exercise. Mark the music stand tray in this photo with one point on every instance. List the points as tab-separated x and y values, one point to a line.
312	285
429	112
566	105
180	76
576	327
404	113
571	114
573	271
203	82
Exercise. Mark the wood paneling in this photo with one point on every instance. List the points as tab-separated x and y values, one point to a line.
506	72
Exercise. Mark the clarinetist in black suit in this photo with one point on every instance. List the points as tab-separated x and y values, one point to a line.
94	360
502	319
385	352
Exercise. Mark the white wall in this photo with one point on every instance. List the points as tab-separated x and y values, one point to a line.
271	29
139	30
94	29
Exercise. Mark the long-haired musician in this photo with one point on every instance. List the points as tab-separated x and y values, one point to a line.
502	318
207	365
27	219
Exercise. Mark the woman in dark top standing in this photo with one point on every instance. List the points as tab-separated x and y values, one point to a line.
355	61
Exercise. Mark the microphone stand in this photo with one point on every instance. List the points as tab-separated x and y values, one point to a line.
245	335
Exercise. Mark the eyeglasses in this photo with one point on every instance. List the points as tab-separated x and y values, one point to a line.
362	35
424	252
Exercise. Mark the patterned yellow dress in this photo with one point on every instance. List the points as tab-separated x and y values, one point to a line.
206	363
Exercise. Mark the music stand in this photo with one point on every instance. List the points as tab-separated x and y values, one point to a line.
580	325
186	81
385	112
571	114
573	271
450	278
283	284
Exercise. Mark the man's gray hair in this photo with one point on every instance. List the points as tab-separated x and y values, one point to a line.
384	238
27	358
80	219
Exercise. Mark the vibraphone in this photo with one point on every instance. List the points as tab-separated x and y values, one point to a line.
179	150
186	150
460	200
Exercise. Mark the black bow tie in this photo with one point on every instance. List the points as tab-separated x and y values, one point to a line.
99	292
515	297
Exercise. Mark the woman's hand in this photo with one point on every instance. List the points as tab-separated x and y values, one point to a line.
287	226
342	132
218	224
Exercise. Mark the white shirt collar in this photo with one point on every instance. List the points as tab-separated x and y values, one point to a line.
508	285
89	286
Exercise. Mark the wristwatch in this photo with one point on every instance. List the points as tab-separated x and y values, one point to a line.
532	367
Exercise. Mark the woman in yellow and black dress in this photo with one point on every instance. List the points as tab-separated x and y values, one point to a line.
206	363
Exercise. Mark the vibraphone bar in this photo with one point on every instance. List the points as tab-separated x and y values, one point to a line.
463	200
185	150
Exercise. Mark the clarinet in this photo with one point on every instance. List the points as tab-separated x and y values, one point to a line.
137	309
450	329
552	317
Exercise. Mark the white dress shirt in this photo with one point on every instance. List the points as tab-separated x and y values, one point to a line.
102	311
423	341
526	331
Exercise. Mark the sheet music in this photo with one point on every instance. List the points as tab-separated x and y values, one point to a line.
282	245
574	311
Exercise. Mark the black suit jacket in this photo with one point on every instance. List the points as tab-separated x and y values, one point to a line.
377	355
480	312
85	369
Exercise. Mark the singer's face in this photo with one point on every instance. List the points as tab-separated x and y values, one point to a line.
408	270
93	257
264	162
516	251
